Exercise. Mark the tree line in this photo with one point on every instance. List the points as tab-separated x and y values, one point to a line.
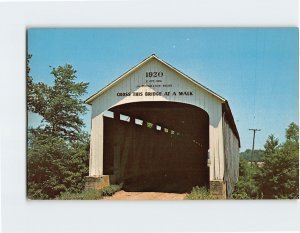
247	155
276	175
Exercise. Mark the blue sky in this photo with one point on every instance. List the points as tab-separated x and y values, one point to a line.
255	69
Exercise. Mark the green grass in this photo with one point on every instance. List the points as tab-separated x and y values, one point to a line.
91	194
110	190
199	193
87	194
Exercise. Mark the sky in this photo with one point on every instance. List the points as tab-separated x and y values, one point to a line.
255	69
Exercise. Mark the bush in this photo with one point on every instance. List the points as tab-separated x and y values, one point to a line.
241	195
247	187
110	190
199	193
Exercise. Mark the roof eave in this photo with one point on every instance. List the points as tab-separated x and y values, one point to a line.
101	91
191	79
231	120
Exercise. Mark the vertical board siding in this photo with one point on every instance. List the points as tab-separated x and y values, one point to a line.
231	150
96	147
200	98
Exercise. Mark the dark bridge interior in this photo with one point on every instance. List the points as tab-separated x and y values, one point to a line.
157	146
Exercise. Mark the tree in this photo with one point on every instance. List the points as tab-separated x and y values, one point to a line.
29	84
292	133
57	156
279	175
60	105
53	167
271	144
35	91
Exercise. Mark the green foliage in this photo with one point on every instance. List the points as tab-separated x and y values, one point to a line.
292	133
90	194
29	85
110	190
87	194
240	194
271	145
199	193
53	166
247	155
57	155
246	188
279	176
60	105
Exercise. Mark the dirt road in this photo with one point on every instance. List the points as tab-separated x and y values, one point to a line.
122	195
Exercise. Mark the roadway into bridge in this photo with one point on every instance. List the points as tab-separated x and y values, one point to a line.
123	195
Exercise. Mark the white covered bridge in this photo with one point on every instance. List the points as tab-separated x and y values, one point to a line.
156	129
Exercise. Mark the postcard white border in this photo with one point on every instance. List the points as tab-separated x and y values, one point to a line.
20	215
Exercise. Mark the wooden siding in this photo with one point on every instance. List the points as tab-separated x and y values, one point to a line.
231	154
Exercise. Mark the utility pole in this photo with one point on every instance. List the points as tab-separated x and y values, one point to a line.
254	131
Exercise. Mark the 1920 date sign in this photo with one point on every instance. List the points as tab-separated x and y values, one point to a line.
154	74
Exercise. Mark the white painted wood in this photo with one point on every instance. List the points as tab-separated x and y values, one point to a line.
137	81
141	64
96	147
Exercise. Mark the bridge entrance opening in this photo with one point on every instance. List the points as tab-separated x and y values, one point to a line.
157	146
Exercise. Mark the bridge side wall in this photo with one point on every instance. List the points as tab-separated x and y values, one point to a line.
231	153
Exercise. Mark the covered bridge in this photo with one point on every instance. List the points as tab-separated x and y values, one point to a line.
156	129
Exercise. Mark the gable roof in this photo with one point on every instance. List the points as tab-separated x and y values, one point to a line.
225	104
127	73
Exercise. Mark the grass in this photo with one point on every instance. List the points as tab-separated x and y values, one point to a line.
110	190
87	194
199	193
91	194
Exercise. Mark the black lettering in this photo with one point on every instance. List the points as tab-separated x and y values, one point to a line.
185	93
152	93
123	94
154	74
137	93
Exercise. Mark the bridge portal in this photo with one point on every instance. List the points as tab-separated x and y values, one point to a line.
166	132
